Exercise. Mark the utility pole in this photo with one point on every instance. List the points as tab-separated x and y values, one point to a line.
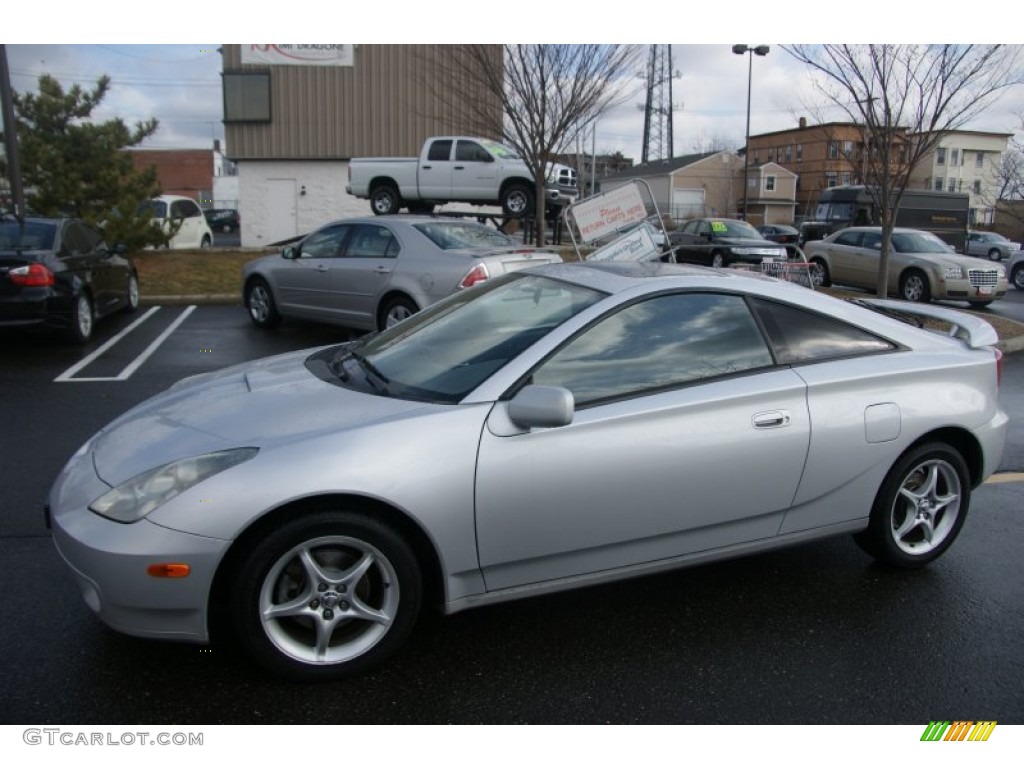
659	107
11	137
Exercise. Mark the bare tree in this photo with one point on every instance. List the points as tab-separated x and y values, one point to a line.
907	98
549	95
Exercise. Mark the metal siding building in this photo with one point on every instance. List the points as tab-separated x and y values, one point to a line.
293	156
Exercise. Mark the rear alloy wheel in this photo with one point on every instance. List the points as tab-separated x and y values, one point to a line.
395	311
920	507
82	319
914	287
1017	277
326	595
384	200
995	255
259	300
517	200
133	294
820	277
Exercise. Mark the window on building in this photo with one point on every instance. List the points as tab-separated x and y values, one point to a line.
799	152
771	154
938	184
951	185
246	97
845	177
940	156
833	149
831	179
954	157
976	187
789	153
979	160
847	149
769	183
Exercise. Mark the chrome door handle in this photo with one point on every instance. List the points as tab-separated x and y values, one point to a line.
770	419
321	267
382	270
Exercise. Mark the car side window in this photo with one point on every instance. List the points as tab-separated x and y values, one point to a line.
73	241
440	150
325	244
703	228
848	238
871	240
801	336
371	241
471	152
658	343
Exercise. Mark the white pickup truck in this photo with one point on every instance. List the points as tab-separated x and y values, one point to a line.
456	169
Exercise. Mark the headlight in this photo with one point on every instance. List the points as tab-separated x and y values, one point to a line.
954	273
133	500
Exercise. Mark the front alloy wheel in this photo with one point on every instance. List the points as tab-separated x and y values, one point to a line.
327	596
920	507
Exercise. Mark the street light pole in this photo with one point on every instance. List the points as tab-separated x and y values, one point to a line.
760	50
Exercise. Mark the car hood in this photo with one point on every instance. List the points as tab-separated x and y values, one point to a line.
262	404
748	242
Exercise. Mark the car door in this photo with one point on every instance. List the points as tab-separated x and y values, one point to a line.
685	439
434	177
186	215
474	173
691	241
362	274
303	284
78	250
844	258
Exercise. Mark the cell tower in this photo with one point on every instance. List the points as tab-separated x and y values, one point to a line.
659	106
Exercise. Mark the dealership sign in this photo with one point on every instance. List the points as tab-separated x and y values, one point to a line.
637	245
303	55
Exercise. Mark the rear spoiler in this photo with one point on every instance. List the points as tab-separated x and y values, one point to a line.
973	330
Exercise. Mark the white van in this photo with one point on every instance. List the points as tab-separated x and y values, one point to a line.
193	232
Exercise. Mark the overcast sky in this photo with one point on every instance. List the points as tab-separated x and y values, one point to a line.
179	84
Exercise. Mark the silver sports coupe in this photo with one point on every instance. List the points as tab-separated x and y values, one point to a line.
550	428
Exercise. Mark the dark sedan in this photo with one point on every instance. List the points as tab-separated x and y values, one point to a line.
721	242
780	233
60	274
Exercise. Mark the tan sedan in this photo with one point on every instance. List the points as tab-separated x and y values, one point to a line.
921	266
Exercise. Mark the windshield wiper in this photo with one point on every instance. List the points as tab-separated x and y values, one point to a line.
369	370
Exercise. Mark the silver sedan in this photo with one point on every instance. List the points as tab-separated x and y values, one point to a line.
371	273
551	428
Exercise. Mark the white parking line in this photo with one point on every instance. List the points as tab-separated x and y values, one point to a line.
68	375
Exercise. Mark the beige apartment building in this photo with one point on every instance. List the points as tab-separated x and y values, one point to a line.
294	115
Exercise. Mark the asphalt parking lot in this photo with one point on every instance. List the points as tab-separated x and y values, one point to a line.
813	634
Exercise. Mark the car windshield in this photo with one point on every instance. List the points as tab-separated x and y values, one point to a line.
919	242
32	236
463	234
729	228
500	151
444	352
156	208
834	212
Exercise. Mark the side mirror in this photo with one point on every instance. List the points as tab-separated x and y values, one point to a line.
289	252
540	406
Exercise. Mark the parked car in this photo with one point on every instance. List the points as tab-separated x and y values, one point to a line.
222	219
991	245
59	273
370	273
780	233
550	428
1016	270
721	242
170	211
921	266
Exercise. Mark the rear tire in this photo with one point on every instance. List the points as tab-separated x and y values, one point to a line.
995	255
259	300
394	311
385	200
517	201
820	276
83	318
920	507
1017	277
133	294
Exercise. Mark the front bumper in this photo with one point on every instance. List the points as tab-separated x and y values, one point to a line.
109	562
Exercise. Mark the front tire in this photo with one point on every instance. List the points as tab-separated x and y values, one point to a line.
385	200
133	294
1017	277
914	287
995	255
820	276
718	260
326	595
920	507
259	300
206	242
517	200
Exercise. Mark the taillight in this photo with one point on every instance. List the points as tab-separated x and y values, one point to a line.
999	366
476	275
31	276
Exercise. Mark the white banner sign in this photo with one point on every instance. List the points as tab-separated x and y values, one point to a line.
608	212
304	55
637	245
